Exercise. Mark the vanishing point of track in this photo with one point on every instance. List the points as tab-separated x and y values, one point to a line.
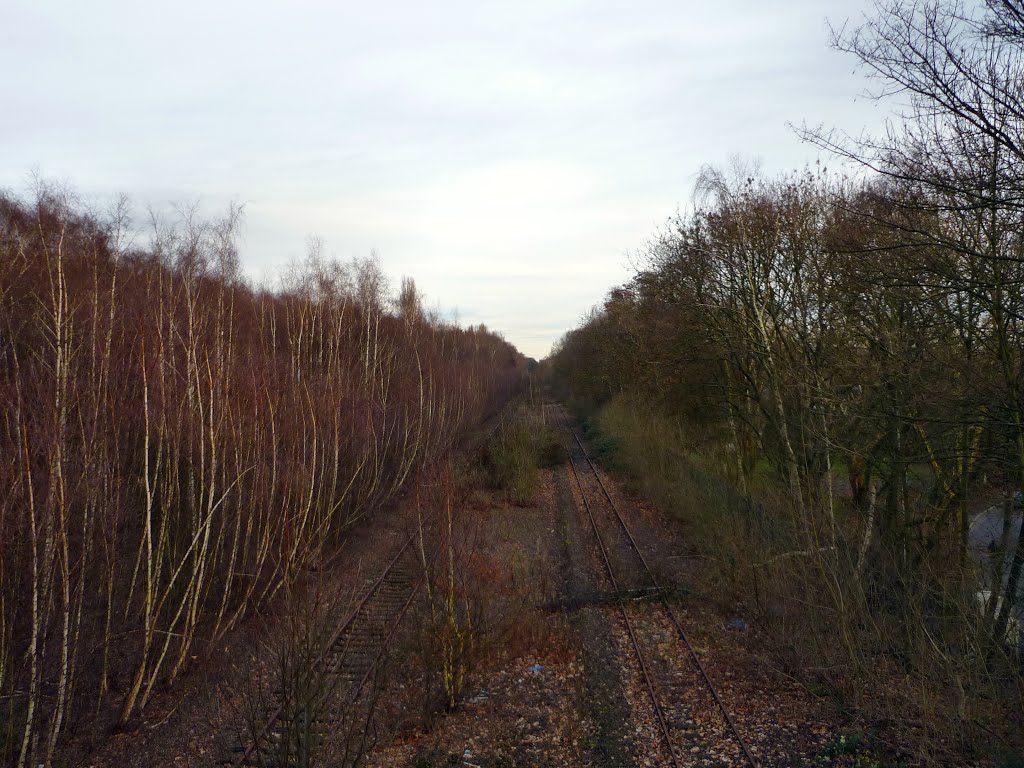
652	580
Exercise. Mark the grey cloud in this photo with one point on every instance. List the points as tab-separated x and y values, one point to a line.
506	155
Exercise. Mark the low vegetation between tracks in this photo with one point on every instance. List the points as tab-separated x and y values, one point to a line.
514	454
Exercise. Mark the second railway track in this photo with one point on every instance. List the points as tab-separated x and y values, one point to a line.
669	684
284	731
334	701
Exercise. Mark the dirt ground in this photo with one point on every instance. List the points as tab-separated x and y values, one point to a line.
563	687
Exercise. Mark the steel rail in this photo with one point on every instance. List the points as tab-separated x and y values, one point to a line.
339	630
354	697
625	618
662	599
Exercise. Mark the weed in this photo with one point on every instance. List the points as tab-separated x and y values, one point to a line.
513	457
550	450
844	744
818	690
855	745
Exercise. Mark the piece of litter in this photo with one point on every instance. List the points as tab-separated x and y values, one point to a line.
536	668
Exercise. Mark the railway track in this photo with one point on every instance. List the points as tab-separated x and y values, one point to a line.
288	729
629	573
333	702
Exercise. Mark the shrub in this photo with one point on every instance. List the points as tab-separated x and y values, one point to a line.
513	457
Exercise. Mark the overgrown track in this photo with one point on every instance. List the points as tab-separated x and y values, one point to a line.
347	666
352	657
628	571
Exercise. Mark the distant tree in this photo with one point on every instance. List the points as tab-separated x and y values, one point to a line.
410	303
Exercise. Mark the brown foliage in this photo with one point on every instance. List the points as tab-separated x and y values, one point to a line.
790	331
177	445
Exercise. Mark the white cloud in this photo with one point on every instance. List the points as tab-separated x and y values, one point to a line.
506	155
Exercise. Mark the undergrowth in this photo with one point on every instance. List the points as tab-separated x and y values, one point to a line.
905	650
514	455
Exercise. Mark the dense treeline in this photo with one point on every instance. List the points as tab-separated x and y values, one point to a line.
177	445
860	342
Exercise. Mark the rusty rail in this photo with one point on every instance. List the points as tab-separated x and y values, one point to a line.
663	601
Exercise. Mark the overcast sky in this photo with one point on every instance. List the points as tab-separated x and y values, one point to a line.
507	155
